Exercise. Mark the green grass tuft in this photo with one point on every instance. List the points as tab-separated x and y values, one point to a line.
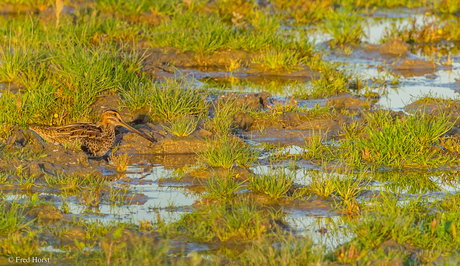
227	152
274	184
182	126
223	188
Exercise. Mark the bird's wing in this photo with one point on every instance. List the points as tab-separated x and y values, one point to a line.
79	130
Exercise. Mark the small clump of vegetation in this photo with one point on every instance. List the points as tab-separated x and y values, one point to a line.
223	188
345	27
388	182
404	142
239	220
182	126
120	161
275	185
397	143
168	100
228	152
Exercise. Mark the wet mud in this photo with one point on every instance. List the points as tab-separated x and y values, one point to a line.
152	167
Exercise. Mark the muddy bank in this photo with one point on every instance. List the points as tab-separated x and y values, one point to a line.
395	55
295	128
40	158
168	62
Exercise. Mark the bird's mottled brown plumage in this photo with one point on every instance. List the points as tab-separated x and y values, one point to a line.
96	139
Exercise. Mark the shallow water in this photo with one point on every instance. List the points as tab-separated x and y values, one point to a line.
323	229
158	199
165	202
168	202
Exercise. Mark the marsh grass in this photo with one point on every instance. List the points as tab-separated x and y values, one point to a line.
206	34
227	152
384	3
238	220
67	181
5	131
118	197
40	4
147	252
379	118
447	7
433	98
280	60
168	100
235	11
314	147
120	161
20	154
322	183
63	67
352	130
90	72
91	198
5	178
332	81
303	13
383	230
274	184
222	121
244	85
65	207
34	201
345	27
182	126
430	30
415	182
176	98
409	222
12	219
73	182
285	107
27	181
19	239
138	7
223	188
321	111
452	144
13	62
136	94
234	65
20	244
65	82
378	254
134	8
349	186
13	109
405	142
283	249
97	229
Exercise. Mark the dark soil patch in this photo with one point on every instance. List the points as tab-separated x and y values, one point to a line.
45	213
415	67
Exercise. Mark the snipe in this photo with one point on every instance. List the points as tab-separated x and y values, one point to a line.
96	139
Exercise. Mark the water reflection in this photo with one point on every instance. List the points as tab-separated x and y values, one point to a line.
327	231
158	202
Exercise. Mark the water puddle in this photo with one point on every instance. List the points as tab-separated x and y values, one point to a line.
150	199
326	231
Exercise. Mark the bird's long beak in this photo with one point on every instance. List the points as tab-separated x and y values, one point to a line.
136	131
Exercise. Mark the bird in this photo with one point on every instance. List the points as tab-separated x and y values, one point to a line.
96	139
